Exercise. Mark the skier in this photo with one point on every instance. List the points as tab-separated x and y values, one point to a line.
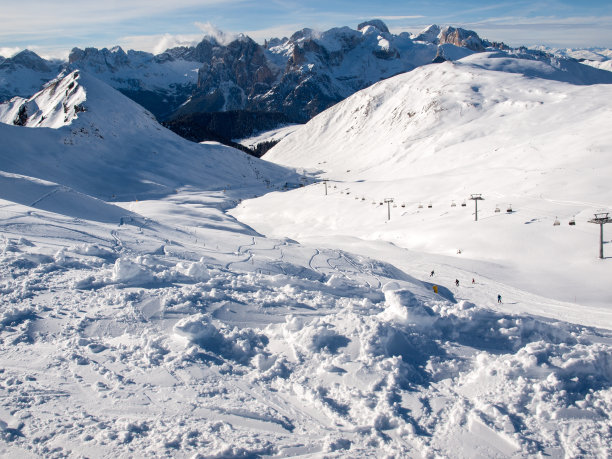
499	298
432	273
473	280
457	282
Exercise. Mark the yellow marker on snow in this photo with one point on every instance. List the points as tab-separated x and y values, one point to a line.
435	289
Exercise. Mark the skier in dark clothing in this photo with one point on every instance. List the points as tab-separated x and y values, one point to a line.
432	273
499	298
457	282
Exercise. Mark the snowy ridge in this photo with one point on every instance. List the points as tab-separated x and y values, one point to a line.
55	106
111	148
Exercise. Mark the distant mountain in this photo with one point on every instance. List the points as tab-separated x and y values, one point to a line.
24	74
600	58
286	80
160	83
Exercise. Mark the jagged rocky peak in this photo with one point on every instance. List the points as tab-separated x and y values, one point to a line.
380	25
452	35
99	59
27	59
461	37
272	42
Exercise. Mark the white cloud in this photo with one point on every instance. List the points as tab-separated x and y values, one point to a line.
211	30
158	43
9	52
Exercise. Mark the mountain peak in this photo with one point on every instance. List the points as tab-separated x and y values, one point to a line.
56	105
380	25
428	34
28	59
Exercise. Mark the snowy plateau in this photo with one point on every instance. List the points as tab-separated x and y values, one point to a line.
163	298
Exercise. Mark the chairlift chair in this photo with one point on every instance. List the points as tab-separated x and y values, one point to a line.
463	204
556	222
497	208
453	204
572	222
509	209
403	204
430	205
420	206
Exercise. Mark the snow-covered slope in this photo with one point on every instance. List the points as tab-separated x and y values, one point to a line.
107	146
442	132
160	326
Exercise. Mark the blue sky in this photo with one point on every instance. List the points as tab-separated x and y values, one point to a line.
52	28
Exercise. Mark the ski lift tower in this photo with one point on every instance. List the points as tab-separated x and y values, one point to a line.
601	219
476	198
388	201
325	183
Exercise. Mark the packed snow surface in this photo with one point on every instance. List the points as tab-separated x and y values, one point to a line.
138	318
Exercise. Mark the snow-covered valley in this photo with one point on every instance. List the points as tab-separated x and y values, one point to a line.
141	317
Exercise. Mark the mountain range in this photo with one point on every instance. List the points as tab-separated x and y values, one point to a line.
223	91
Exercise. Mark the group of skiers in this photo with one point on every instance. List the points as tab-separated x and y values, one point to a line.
435	287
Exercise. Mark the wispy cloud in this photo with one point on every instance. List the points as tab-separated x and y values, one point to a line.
399	18
158	43
54	27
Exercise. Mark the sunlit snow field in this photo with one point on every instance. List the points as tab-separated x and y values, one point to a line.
141	317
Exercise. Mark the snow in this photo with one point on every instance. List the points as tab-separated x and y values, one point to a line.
274	135
139	317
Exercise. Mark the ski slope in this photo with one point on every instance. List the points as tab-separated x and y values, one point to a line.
139	317
441	133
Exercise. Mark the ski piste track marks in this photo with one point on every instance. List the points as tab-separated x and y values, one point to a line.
264	410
